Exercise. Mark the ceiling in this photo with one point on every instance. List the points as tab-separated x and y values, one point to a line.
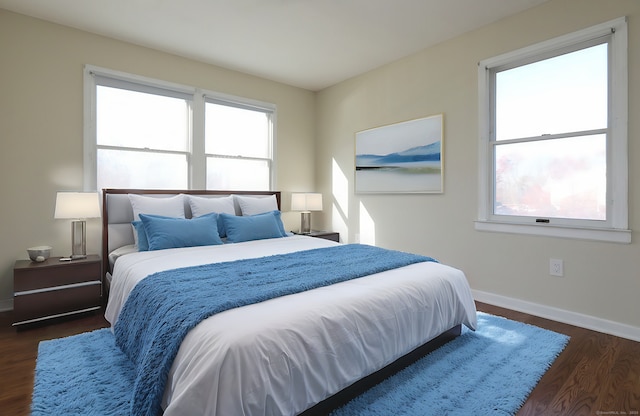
310	44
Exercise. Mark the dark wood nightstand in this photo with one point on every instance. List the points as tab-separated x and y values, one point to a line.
55	288
327	235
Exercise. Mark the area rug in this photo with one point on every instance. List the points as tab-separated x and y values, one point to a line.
489	371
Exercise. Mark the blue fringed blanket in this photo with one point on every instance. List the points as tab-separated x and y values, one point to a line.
164	306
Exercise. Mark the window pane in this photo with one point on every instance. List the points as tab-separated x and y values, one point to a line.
557	95
237	174
233	131
140	120
561	178
129	169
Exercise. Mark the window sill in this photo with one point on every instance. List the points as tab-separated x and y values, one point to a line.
593	234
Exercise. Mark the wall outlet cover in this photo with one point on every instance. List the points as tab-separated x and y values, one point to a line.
556	267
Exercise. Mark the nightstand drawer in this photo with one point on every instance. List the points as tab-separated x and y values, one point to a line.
40	304
53	273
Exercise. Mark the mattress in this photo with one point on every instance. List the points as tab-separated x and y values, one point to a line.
282	356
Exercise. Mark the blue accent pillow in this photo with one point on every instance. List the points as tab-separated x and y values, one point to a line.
253	227
143	243
278	216
166	232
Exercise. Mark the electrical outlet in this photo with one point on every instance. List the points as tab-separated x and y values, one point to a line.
556	267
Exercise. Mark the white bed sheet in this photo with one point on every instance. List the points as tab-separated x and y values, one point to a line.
282	356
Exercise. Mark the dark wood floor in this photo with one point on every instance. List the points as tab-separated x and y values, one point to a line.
597	374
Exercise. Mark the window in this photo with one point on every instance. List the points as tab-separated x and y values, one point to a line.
553	149
143	133
237	141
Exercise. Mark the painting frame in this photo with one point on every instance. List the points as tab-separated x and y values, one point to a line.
401	158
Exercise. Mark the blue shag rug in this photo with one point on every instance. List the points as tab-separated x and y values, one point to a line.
490	371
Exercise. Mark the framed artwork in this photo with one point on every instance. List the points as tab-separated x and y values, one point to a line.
401	158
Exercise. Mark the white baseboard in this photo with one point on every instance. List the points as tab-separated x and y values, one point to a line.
560	315
6	305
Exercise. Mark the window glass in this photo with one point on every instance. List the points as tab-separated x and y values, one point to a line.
234	131
561	178
146	170
551	115
565	93
237	174
140	120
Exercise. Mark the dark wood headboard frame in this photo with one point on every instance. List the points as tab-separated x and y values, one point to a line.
105	213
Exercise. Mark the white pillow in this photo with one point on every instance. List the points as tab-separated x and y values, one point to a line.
252	205
168	207
202	206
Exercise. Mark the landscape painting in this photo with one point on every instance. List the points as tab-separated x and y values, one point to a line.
400	158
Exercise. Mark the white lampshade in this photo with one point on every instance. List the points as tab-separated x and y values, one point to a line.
306	202
76	205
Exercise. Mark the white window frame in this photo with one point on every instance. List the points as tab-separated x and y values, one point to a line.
615	228
196	156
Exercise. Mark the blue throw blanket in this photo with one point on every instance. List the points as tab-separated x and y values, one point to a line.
164	306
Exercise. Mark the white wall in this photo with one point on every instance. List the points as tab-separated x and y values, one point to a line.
601	283
41	107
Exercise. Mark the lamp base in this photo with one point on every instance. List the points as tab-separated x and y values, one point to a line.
305	223
78	239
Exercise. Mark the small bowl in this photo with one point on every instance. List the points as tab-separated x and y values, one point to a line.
39	253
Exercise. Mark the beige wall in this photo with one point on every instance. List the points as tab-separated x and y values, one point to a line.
601	281
41	105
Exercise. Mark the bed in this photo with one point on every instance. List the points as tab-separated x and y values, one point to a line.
304	352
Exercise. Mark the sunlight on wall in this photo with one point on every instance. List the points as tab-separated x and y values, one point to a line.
340	205
367	227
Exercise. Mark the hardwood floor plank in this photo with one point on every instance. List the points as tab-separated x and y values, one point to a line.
614	378
624	379
575	397
595	373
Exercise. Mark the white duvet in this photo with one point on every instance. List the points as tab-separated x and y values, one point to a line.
284	355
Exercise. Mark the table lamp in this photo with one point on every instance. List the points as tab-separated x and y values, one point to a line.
306	202
77	206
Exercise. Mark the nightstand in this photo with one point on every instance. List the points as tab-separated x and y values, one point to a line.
55	288
327	235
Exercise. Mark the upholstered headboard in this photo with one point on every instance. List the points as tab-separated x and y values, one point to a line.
117	213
